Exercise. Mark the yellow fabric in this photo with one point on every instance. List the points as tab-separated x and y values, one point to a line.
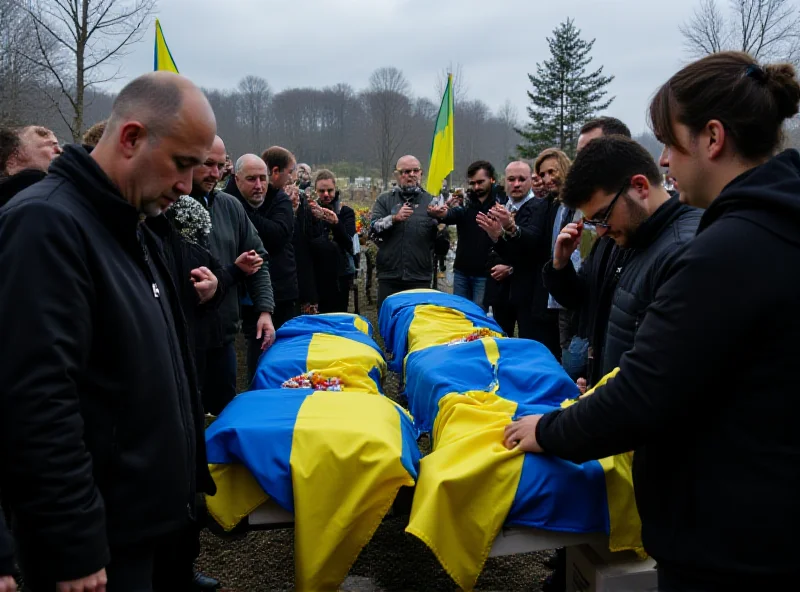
623	515
468	471
163	57
437	325
443	144
332	356
346	472
238	494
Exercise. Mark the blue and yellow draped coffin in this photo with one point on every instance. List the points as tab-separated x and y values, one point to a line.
336	460
335	345
465	393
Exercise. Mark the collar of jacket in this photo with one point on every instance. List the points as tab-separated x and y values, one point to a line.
651	228
76	166
513	206
10	186
200	195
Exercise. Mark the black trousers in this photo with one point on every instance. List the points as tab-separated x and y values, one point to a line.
284	311
388	287
216	375
338	299
506	317
542	328
137	568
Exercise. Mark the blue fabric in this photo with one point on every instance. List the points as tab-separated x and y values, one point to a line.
256	430
397	314
285	359
335	324
471	287
526	373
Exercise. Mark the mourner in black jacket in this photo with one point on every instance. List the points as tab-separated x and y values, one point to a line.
704	397
98	401
333	247
625	279
525	245
474	245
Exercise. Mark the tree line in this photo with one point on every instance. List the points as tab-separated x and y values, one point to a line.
56	58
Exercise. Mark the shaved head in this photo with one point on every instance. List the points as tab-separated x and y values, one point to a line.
251	178
408	172
518	179
161	127
249	160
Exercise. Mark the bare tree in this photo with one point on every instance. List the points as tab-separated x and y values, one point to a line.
254	95
766	29
19	79
460	88
508	116
76	43
388	105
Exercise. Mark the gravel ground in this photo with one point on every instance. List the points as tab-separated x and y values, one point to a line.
263	561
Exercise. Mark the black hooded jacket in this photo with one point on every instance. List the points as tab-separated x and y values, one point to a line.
274	221
707	397
97	396
619	284
10	186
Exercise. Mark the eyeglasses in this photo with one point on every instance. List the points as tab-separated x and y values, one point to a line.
415	171
602	221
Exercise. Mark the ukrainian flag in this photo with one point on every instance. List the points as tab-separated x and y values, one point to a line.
336	460
162	57
333	346
443	145
471	485
416	319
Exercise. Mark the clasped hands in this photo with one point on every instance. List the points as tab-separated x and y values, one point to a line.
497	221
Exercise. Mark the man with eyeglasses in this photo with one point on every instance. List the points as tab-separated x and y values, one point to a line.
232	234
616	184
405	233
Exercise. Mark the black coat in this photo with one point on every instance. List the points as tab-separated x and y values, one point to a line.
474	245
6	549
306	229
96	404
527	253
274	221
10	186
615	286
333	246
707	396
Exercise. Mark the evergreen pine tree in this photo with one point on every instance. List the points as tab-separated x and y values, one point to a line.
564	96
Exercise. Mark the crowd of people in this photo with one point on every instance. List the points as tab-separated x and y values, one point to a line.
132	262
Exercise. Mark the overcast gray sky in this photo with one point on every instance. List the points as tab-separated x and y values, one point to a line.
323	42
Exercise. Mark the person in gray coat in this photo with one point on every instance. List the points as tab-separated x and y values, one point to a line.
404	232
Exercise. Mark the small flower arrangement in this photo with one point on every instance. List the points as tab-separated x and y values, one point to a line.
474	336
362	221
314	381
191	219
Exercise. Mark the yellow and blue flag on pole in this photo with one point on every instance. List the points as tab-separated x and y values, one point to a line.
334	459
162	57
443	145
331	346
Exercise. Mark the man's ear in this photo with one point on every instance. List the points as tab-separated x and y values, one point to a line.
131	136
642	185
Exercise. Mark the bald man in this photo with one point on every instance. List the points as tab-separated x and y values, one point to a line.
405	233
232	234
521	231
259	183
98	403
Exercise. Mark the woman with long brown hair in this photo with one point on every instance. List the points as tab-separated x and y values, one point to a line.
707	396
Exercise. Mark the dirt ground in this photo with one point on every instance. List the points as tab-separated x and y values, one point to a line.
393	561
